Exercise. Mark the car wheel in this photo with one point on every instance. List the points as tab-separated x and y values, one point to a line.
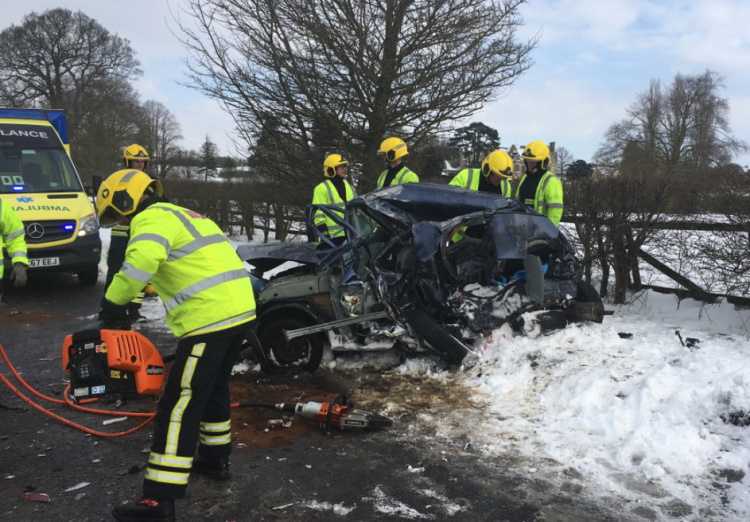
440	341
301	354
585	293
88	277
537	323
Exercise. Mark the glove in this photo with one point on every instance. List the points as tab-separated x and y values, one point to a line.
322	228
113	317
18	276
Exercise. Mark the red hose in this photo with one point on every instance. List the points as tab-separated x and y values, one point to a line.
68	402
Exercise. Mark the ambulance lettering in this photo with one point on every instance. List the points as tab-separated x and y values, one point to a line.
27	134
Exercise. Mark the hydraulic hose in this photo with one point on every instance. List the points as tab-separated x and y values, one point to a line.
150	416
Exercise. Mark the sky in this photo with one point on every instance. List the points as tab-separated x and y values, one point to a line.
592	59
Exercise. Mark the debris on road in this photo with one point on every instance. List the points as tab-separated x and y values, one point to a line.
137	467
112	421
36	497
78	486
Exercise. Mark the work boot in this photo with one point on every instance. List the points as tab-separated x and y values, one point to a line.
146	510
216	469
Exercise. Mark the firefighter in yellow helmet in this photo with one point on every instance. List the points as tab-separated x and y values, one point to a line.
335	190
210	307
392	150
133	157
12	235
539	188
493	178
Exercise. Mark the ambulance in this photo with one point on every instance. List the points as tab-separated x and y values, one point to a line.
38	180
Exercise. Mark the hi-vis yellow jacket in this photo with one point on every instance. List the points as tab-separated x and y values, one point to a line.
469	179
548	199
404	176
12	234
326	194
191	265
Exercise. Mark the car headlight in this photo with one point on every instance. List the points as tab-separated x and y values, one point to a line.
88	226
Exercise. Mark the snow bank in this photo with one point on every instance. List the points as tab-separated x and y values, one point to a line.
628	412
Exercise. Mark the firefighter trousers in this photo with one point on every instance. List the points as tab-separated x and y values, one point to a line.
193	410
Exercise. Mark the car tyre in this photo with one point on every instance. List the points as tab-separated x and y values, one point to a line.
586	293
440	341
301	354
88	277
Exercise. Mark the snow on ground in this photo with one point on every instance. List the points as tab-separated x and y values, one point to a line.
637	414
632	413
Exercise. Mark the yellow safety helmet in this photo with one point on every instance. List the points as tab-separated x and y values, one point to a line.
497	162
121	192
392	149
330	164
135	152
537	151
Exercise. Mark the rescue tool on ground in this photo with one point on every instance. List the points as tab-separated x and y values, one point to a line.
117	364
336	413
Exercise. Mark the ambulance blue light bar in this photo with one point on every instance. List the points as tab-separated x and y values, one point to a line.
55	116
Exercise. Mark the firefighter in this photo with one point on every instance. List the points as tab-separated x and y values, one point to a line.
496	172
493	178
392	150
539	188
333	191
210	307
12	236
133	157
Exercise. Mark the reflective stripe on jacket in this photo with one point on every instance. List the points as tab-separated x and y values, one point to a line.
548	200
404	176
326	194
191	265
469	179
12	236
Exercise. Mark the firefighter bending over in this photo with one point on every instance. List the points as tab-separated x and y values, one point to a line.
493	178
210	306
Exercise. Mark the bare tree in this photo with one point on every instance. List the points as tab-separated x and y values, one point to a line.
57	58
362	70
682	127
725	254
563	159
110	123
160	132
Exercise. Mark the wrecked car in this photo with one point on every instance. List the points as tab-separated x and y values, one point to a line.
402	280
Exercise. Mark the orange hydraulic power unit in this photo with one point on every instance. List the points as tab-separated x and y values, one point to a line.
112	363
